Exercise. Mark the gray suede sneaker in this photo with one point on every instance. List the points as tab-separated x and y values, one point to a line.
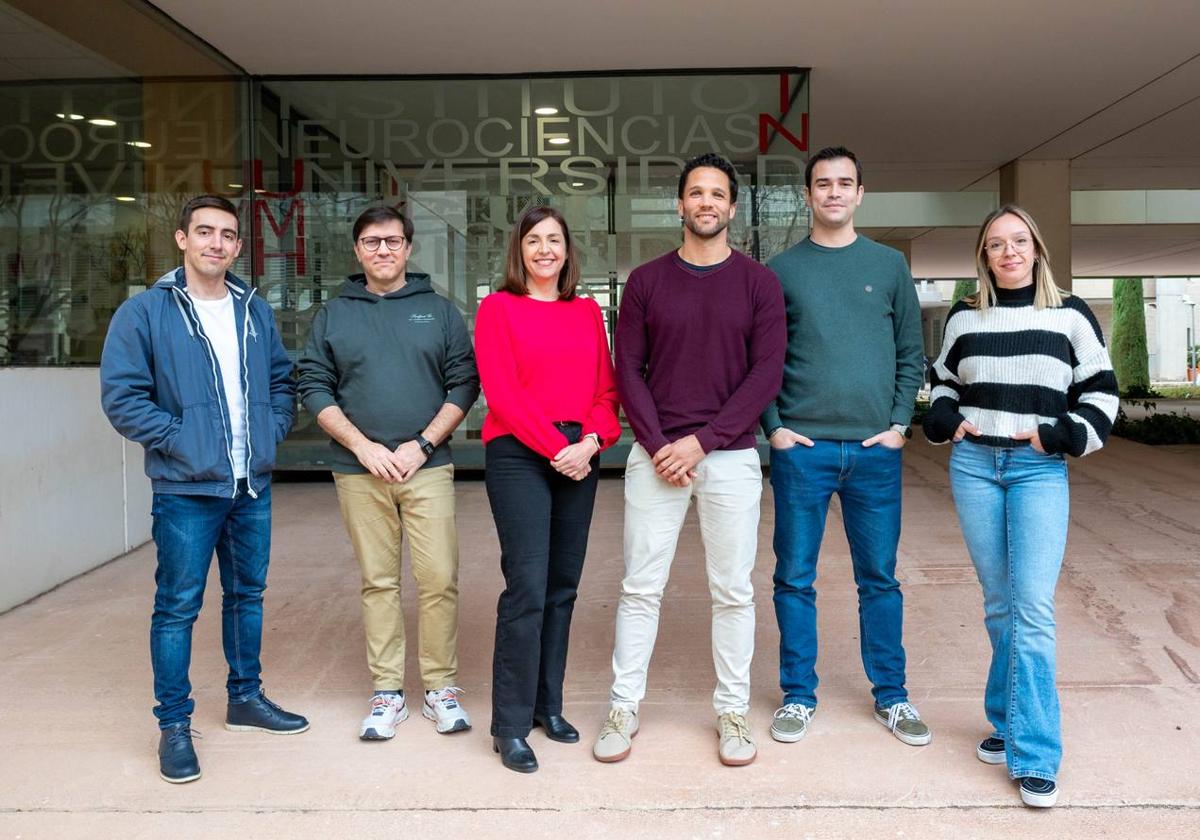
905	722
736	746
616	735
791	722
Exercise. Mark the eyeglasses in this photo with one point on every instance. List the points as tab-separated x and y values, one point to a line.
996	247
372	243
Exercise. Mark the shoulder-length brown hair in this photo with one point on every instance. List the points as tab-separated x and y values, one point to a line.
1045	292
515	279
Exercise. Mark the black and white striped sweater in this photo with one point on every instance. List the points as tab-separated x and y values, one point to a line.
1016	367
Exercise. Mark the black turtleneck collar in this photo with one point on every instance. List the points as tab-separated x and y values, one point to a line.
1016	297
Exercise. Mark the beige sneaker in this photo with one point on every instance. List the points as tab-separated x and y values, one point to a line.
616	735
737	744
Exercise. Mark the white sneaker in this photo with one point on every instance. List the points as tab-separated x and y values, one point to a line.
616	735
442	707
736	746
387	710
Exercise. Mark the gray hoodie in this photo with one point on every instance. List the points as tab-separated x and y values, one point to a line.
389	362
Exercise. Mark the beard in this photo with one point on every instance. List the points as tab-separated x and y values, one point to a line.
705	232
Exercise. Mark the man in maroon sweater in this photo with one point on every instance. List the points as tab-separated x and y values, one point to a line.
699	353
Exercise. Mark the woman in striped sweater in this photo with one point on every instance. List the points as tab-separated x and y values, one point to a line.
1023	379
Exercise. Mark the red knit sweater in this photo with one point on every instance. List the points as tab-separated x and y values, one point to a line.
541	362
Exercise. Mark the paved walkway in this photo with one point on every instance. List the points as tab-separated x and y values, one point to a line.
77	742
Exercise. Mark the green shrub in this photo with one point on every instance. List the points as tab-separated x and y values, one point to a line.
1177	392
1159	429
1131	361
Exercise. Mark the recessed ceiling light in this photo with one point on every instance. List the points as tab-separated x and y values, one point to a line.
125	198
546	111
577	183
559	141
260	192
137	144
65	116
235	186
102	121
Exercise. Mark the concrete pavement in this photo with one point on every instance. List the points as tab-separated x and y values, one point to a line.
77	741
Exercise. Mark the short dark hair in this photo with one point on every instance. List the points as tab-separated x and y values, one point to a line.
515	279
194	204
381	215
716	162
832	153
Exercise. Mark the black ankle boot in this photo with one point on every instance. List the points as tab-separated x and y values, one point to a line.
557	728
515	754
259	713
176	757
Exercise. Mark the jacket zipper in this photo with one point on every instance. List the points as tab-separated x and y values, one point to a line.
212	361
246	392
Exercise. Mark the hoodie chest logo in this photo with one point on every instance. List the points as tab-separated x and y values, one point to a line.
420	318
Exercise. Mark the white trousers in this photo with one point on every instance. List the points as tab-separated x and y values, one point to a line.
727	488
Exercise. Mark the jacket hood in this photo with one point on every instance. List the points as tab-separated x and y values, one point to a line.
415	283
176	278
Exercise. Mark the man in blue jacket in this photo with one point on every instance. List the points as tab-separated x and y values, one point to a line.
194	371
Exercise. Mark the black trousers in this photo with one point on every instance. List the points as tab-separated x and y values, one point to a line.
542	519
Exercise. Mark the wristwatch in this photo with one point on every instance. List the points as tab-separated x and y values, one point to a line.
425	445
901	429
595	437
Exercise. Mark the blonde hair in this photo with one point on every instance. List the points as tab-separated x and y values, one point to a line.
1046	293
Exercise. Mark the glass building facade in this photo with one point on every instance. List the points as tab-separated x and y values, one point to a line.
93	172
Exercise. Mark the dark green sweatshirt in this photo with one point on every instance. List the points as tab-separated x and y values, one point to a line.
389	362
855	355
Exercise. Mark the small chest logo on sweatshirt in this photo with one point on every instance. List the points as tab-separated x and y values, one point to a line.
869	288
420	318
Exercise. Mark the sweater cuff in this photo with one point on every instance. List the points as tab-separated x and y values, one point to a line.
317	402
1066	437
942	420
463	396
653	444
770	419
901	416
707	438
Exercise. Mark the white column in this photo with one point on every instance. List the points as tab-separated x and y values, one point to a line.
1043	188
1173	316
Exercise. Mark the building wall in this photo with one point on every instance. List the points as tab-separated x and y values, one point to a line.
72	491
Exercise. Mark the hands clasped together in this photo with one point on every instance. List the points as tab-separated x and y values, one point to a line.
676	462
574	460
394	467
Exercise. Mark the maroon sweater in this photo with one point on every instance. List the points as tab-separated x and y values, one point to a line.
699	352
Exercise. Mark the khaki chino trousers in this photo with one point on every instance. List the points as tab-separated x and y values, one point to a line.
376	515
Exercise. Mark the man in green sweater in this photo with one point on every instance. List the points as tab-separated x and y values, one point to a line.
389	373
854	365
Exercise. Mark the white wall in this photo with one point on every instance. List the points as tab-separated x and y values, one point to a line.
72	491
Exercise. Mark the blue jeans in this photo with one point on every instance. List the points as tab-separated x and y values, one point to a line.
186	530
867	480
1012	507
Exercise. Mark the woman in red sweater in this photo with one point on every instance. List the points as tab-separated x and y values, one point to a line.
552	407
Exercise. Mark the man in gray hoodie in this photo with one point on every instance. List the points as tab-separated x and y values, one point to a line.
389	373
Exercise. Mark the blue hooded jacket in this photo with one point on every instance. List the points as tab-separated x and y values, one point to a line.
161	386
